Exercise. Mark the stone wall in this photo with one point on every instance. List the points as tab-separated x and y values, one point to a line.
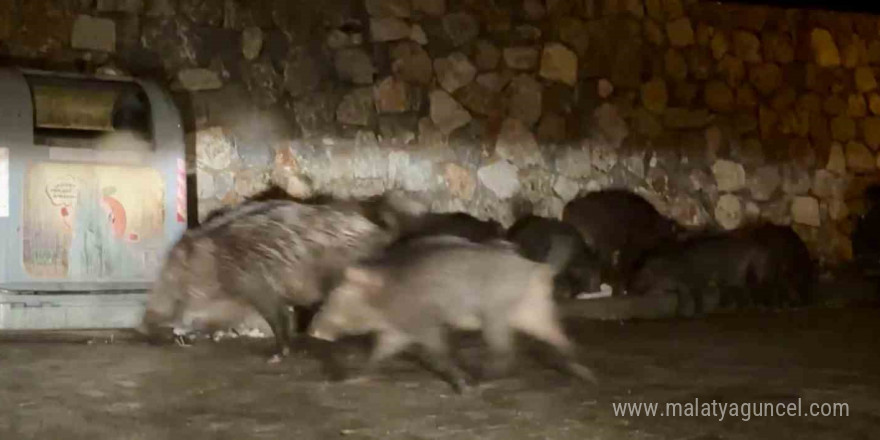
718	114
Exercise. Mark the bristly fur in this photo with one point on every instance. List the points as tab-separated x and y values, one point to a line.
269	254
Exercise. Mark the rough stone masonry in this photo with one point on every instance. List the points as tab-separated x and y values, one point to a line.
718	114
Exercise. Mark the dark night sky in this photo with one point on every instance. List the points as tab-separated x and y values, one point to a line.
869	6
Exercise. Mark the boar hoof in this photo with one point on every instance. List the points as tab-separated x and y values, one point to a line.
461	387
277	357
181	341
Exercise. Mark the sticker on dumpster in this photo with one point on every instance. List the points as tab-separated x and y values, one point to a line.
90	222
4	182
62	192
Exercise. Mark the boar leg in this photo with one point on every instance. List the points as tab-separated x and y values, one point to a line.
687	303
792	295
150	327
388	343
305	296
776	293
303	318
730	298
278	317
698	296
499	339
564	287
436	356
542	325
618	270
740	298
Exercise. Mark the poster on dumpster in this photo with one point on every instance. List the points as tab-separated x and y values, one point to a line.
92	222
4	182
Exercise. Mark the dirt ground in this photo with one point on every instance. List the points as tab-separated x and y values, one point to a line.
225	390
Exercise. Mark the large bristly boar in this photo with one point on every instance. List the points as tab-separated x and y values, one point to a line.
535	234
763	265
417	289
790	269
729	261
619	226
270	255
212	314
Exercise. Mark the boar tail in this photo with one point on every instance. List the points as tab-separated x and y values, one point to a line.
561	251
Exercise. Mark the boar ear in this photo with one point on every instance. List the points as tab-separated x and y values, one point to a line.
362	276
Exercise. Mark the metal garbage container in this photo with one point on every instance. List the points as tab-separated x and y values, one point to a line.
92	195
